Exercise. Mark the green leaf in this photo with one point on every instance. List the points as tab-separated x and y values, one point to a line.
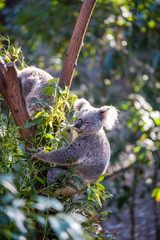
54	80
71	186
59	89
137	149
100	187
156	194
40	180
41	102
44	203
48	135
48	90
29	124
151	23
77	179
157	121
98	199
101	178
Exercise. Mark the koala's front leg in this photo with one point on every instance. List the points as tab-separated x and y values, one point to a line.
40	155
62	157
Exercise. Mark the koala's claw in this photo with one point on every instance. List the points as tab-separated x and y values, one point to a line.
39	153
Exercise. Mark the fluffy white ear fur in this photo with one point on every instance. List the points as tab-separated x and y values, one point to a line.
109	116
79	103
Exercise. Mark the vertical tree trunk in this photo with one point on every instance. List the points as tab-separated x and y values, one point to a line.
11	90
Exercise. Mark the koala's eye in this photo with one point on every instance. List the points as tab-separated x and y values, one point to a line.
87	122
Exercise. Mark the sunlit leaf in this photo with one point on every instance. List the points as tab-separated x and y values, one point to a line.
156	194
157	121
48	135
151	23
137	149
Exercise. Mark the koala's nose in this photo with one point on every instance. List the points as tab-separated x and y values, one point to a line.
78	123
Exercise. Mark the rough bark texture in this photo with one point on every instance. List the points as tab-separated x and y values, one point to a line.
10	88
72	55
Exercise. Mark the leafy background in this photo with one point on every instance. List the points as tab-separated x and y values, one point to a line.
119	65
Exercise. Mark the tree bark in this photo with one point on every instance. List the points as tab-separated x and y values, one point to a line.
11	90
72	55
155	203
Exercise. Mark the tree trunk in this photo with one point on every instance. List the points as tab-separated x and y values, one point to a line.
155	203
11	90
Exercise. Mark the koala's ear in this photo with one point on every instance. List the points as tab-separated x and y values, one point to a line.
79	103
108	116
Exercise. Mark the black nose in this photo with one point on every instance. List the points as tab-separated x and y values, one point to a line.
78	123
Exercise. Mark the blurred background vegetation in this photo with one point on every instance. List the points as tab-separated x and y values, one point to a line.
119	64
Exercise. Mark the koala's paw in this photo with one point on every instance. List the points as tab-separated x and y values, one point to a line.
41	149
39	153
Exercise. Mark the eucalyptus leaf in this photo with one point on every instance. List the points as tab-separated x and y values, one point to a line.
44	203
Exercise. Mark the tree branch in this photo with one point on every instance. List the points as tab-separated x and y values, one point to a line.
72	55
11	90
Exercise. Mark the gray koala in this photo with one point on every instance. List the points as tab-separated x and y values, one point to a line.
33	81
89	153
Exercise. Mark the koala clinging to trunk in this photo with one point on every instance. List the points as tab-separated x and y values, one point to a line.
33	81
89	153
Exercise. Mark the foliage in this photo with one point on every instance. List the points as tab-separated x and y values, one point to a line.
121	48
10	53
22	206
28	211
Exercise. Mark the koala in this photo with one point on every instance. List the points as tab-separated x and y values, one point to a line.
33	81
89	153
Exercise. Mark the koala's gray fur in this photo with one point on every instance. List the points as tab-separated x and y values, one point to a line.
89	153
33	81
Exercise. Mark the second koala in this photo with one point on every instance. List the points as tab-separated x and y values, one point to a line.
33	81
89	153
